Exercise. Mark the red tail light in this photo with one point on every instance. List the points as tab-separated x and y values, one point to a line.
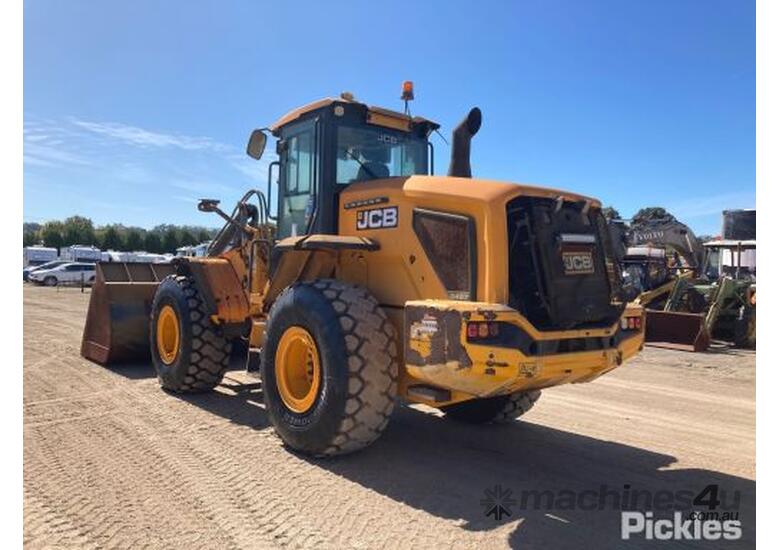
631	323
482	330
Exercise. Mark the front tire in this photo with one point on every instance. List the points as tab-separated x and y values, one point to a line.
50	281
745	328
498	410
189	353
330	367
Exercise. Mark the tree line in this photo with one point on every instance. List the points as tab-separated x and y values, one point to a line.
163	238
166	238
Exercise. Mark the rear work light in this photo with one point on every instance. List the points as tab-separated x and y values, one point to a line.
631	323
482	330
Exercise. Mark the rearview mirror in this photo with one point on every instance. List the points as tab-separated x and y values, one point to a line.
256	144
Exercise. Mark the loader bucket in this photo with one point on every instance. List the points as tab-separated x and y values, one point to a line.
676	330
117	326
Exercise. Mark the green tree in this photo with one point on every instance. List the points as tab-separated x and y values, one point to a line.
29	238
652	213
152	242
134	240
78	230
187	238
52	234
31	226
610	213
203	236
111	239
170	240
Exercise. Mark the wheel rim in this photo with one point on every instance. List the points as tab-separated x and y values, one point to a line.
168	334
298	370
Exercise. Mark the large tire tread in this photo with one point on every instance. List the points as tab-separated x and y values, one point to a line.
363	358
500	409
372	363
516	406
210	355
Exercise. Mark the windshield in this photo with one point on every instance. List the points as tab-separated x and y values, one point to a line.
366	153
730	261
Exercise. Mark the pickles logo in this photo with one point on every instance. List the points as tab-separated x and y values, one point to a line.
377	218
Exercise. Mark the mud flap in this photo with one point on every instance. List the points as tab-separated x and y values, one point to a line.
117	325
676	330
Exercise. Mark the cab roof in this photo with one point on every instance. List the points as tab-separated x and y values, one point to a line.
382	116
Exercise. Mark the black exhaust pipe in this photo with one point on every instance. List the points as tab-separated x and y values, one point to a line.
460	160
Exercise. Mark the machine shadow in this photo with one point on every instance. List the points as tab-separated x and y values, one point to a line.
725	348
443	468
141	369
236	400
136	370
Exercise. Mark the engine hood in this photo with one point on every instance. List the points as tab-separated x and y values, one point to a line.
469	189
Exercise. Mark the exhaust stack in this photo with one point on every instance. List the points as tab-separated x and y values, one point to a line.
460	161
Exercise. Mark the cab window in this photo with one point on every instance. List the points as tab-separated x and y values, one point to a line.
297	200
366	153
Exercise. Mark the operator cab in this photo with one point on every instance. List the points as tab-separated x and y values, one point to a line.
329	144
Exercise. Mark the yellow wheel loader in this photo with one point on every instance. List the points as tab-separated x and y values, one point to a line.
377	282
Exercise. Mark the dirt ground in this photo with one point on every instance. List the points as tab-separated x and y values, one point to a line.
111	461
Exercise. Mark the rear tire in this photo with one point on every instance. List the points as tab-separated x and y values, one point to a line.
355	357
745	329
201	354
498	410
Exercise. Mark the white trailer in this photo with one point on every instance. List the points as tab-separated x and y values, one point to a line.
197	251
152	258
81	253
37	255
138	256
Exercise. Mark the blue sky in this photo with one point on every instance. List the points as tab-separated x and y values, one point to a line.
133	110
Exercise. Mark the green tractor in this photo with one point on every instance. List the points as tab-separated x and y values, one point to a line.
725	295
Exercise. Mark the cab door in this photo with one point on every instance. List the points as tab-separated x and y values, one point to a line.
298	181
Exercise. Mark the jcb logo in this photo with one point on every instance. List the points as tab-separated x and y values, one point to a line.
577	263
378	218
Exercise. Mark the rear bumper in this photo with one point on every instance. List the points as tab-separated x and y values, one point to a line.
439	353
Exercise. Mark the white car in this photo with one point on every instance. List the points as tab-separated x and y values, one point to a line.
72	272
48	265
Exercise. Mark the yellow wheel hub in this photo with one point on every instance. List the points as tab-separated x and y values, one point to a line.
168	335
298	370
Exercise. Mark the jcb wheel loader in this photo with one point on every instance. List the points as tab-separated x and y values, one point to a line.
376	282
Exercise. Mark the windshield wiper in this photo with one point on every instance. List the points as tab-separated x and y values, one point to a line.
361	163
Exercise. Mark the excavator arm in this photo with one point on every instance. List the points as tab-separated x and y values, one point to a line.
669	233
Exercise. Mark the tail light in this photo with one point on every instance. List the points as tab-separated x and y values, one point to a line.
482	330
631	323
